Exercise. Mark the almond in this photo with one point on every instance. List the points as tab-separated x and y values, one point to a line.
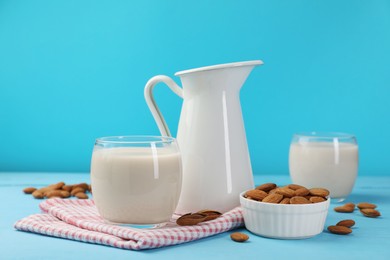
371	213
340	230
285	201
299	200
191	219
366	205
346	223
273	198
81	195
316	199
256	194
38	195
211	214
239	237
83	185
57	194
266	186
29	190
286	192
302	192
76	190
295	186
67	188
320	192
346	208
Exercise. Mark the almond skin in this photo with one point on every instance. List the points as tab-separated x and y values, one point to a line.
340	230
371	213
211	214
321	192
286	192
285	201
83	185
302	192
273	198
299	200
38	195
266	187
191	219
346	208
57	194
295	186
316	199
366	205
346	223
256	194
76	190
239	237
29	190
81	195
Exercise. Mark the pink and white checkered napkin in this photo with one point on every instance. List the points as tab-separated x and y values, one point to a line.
79	220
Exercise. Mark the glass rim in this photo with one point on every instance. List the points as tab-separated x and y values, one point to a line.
134	139
325	135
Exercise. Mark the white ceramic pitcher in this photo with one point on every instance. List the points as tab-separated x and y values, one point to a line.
211	135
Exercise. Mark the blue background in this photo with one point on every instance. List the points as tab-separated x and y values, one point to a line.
71	71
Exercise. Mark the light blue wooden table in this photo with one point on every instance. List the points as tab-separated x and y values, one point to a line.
370	238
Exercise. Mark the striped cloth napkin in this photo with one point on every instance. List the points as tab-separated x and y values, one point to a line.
79	220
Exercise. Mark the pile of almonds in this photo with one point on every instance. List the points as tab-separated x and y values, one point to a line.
191	219
367	209
290	194
60	190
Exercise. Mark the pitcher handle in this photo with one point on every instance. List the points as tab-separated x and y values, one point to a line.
150	101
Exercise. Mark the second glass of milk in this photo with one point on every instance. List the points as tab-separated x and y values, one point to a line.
327	160
136	179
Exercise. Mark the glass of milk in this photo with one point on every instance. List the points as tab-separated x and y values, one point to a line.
136	180
327	160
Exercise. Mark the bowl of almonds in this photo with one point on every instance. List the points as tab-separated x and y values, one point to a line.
285	212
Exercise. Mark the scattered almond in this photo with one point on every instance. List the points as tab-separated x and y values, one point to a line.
239	237
81	195
38	195
346	223
29	190
346	208
67	188
366	205
210	214
371	213
76	190
191	219
340	230
60	190
57	194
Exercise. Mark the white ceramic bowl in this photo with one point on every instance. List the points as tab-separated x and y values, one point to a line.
284	221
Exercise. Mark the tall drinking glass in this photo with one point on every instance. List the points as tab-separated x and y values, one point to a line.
136	179
328	160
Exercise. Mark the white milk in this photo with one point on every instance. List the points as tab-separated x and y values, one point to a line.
131	185
325	164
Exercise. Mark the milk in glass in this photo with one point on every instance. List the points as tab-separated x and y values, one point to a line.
331	165
136	185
